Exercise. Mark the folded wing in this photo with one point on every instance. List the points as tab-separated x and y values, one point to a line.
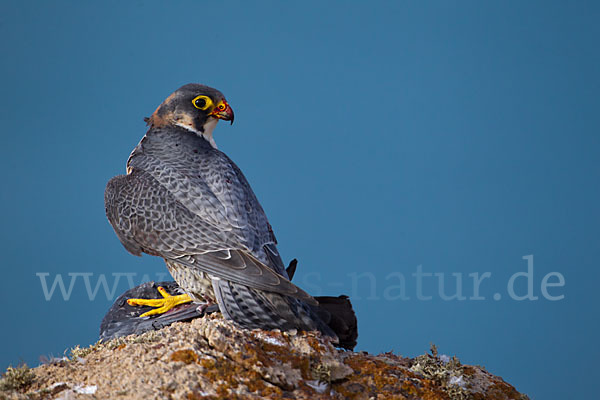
148	218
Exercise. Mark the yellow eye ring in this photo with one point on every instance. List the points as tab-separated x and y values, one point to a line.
202	102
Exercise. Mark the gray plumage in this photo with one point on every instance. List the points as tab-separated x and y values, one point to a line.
187	202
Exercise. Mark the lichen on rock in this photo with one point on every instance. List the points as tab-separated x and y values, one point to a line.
211	358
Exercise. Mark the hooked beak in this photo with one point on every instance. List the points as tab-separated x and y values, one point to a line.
223	111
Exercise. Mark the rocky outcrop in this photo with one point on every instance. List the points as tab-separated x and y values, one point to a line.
210	358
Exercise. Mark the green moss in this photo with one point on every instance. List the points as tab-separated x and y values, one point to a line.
82	352
431	367
117	343
18	378
146	337
321	373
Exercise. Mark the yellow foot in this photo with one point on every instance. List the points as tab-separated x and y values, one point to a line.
164	304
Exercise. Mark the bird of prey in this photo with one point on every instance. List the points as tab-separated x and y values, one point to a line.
185	201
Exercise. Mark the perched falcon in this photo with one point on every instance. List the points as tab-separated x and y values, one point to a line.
187	202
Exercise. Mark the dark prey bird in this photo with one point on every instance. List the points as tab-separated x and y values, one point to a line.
185	201
123	319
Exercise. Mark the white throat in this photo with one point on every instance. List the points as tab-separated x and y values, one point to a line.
209	127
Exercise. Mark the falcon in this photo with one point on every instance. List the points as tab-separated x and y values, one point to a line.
185	201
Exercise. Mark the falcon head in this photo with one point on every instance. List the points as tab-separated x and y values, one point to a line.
194	107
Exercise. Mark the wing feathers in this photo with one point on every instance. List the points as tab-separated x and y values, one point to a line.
243	268
147	217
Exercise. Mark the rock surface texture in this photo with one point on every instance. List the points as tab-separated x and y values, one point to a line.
210	358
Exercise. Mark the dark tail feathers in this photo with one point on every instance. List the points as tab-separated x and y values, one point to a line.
338	314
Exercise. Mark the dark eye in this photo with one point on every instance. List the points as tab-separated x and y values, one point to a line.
202	102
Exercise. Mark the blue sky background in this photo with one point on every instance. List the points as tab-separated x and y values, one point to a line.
459	136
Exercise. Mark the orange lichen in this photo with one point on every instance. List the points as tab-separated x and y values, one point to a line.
409	388
222	361
185	356
232	374
468	370
315	344
502	390
269	354
391	380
